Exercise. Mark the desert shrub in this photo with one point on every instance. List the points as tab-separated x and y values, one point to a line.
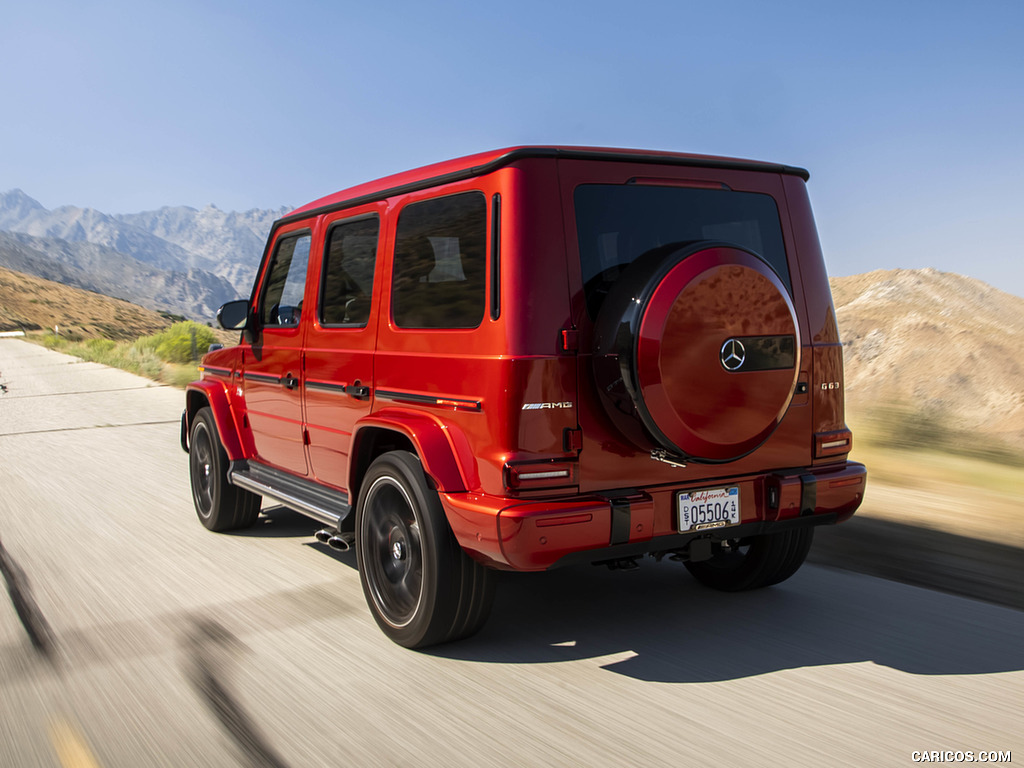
146	356
183	342
907	428
147	343
179	375
144	362
53	341
100	347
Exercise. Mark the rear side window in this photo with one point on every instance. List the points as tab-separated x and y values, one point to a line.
347	282
286	282
616	224
439	268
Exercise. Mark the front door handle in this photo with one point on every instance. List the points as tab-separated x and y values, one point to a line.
289	382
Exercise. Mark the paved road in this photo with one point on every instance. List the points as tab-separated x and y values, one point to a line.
160	643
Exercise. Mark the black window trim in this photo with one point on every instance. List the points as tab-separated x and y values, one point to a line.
495	285
323	269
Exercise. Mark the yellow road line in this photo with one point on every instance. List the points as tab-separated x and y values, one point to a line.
72	751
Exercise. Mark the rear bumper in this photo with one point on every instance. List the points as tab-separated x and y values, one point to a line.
522	535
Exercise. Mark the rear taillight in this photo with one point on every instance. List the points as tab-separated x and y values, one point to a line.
832	443
531	475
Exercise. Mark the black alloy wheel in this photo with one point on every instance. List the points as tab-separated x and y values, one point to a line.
219	505
421	587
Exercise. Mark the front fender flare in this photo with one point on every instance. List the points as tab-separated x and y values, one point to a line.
215	395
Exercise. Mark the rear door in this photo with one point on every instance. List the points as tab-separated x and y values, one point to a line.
341	338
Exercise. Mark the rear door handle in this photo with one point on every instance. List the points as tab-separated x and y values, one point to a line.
358	391
289	381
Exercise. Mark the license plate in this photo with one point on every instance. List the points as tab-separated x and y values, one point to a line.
711	508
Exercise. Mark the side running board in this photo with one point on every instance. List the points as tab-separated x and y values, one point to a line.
324	505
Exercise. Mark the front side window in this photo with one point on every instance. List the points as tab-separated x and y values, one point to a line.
347	281
616	224
439	267
281	305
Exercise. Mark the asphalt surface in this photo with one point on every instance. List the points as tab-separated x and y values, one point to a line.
134	637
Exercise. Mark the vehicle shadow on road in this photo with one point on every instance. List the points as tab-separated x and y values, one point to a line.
932	558
277	522
664	627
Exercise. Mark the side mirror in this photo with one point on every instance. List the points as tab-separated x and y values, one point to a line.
234	316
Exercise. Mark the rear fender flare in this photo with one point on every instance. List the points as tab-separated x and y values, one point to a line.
442	449
202	393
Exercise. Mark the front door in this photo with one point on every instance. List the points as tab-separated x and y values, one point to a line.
273	369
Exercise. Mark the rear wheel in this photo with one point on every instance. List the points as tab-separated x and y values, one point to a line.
754	562
219	505
419	584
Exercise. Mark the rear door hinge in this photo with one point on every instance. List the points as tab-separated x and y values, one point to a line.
572	439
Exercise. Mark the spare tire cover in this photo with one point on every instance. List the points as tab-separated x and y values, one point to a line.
697	351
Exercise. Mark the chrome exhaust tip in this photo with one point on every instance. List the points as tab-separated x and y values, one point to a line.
341	542
324	536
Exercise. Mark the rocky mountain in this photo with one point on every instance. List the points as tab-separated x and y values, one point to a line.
936	343
179	259
226	243
20	213
190	292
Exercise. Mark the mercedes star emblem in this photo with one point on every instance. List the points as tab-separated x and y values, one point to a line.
733	354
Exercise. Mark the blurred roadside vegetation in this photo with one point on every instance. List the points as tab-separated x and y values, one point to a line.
907	447
170	356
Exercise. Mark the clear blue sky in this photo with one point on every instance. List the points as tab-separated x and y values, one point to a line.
909	115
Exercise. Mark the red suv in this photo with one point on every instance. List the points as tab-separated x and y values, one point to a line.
534	357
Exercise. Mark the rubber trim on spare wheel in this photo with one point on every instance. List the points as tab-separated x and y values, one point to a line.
697	351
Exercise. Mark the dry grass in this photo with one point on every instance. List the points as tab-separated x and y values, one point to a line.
138	357
949	490
31	303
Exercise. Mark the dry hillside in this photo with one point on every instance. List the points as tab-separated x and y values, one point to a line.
29	303
936	343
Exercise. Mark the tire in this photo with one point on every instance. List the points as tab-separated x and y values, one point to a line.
219	505
759	561
421	587
692	329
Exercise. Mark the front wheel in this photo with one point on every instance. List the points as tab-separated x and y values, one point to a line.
219	505
754	562
419	584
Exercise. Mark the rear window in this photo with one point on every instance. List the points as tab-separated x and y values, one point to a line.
347	281
440	252
616	224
